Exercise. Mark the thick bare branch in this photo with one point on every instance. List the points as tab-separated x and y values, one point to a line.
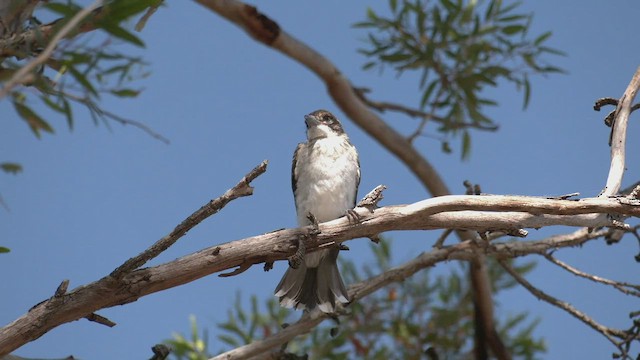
619	136
459	211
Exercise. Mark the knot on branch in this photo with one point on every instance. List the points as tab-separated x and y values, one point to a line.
260	26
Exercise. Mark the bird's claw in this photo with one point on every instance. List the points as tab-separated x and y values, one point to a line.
296	259
315	228
353	216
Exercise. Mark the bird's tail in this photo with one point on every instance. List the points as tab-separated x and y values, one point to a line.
310	287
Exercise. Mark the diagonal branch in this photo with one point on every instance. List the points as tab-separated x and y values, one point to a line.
623	287
609	333
479	213
242	188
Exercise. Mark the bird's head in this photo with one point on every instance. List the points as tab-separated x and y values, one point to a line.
322	124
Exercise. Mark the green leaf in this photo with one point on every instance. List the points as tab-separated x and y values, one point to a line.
513	29
122	9
552	69
530	61
368	65
4	250
490	9
68	112
68	10
466	145
477	116
540	39
11	168
363	24
396	57
82	80
121	33
527	92
513	18
426	97
393	4
125	93
35	122
553	51
371	14
230	340
446	148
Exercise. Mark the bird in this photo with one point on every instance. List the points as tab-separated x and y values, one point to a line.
325	175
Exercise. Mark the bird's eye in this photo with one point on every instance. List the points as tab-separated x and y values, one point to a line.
327	118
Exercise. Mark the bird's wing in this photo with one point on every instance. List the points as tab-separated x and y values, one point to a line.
294	174
355	195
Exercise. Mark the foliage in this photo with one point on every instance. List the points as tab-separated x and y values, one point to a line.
191	349
78	73
401	321
458	48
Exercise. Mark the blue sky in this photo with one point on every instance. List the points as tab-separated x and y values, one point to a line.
92	197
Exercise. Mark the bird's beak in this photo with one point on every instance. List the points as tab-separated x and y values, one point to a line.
311	121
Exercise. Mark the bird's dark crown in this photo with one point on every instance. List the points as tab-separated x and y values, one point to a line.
327	118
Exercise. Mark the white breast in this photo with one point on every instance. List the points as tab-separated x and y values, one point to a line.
327	179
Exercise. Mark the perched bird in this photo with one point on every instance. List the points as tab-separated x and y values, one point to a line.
325	175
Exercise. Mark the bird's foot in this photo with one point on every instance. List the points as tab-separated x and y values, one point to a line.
298	257
353	216
315	228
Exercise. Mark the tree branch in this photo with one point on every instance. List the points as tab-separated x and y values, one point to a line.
383	106
242	188
42	34
478	213
623	287
22	74
609	333
259	349
619	136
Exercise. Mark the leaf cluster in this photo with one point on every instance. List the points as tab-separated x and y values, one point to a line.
78	73
458	48
402	321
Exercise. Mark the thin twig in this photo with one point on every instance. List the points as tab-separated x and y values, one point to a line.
97	110
241	189
607	332
383	106
22	74
620	286
438	244
134	123
99	319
